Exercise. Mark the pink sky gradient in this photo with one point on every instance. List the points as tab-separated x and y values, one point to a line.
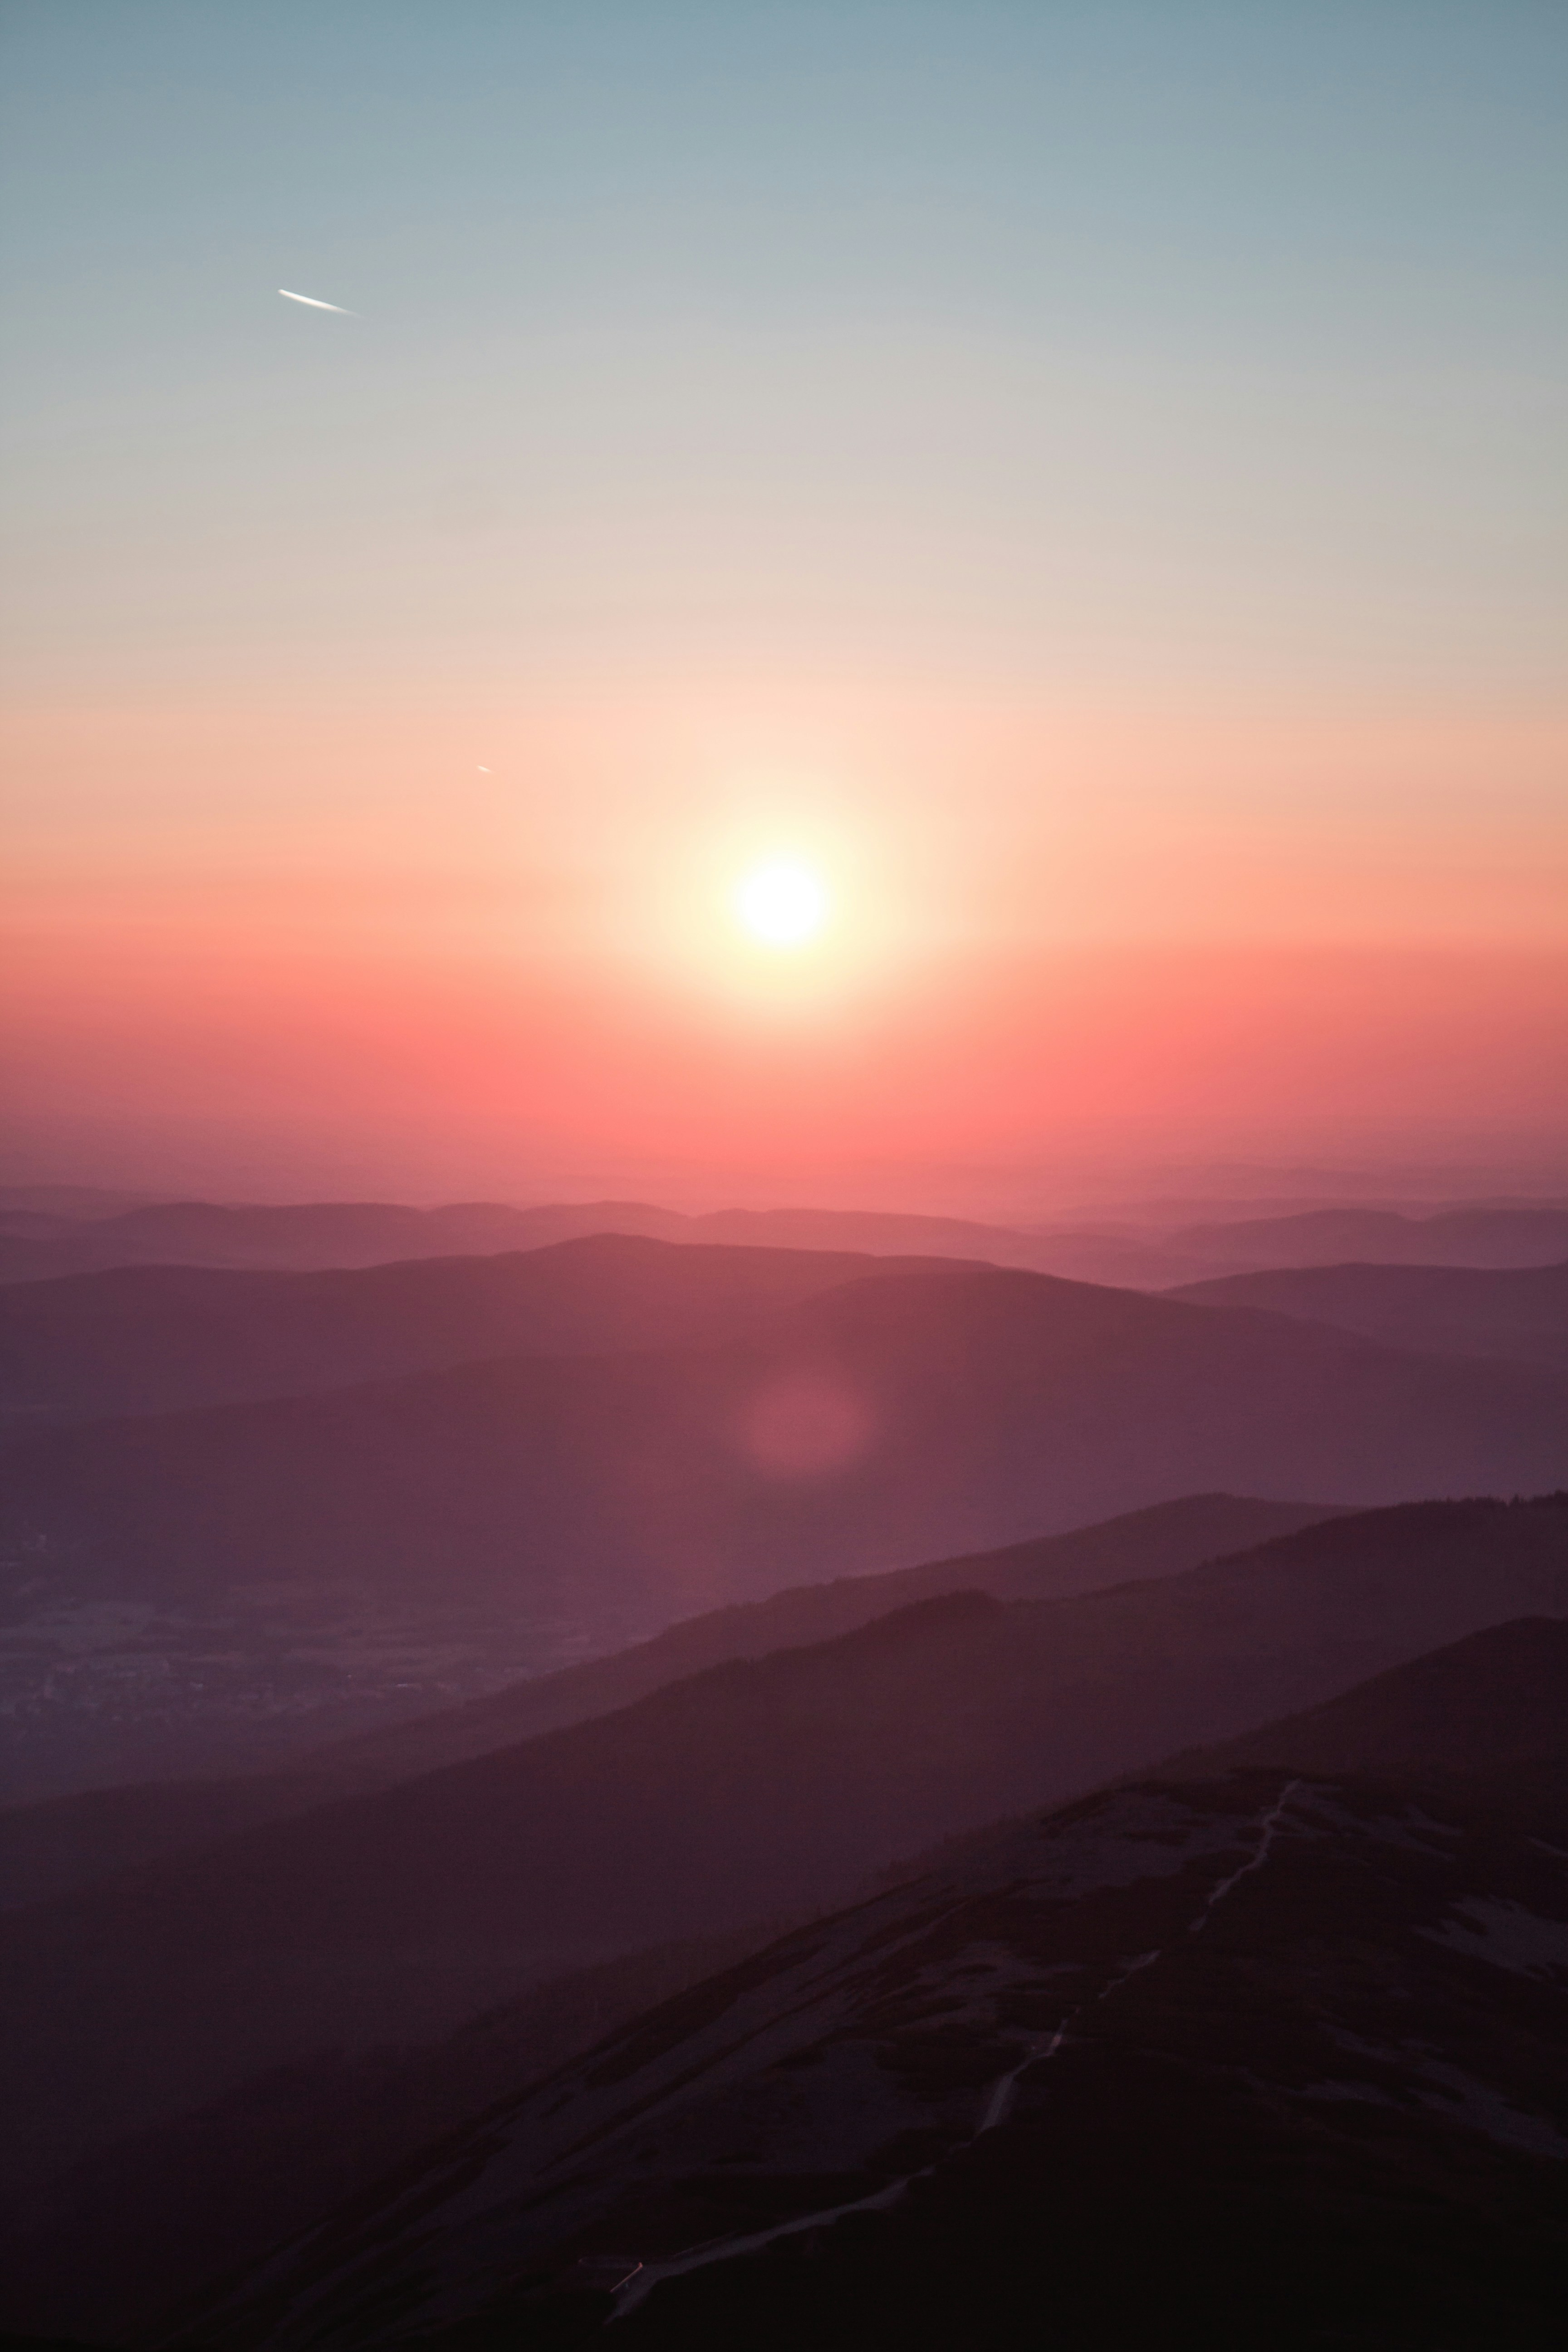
1087	480
1057	933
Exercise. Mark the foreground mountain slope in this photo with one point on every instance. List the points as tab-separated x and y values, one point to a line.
49	1848
1268	2059
898	1416
757	1788
1514	1312
100	2253
153	2220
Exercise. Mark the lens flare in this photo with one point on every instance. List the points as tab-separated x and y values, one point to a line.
806	1425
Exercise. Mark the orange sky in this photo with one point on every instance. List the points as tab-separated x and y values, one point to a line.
307	944
1087	480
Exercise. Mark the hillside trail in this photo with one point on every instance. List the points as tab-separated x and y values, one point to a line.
1038	2051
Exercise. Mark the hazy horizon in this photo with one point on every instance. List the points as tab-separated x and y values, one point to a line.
1137	1192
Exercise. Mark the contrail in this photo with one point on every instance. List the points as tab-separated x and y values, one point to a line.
311	302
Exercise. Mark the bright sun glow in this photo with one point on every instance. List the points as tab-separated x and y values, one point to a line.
782	903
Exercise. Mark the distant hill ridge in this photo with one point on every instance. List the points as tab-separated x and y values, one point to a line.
899	1416
1521	1313
170	1339
316	1235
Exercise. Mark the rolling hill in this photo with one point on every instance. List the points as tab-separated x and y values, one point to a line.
316	1235
307	1236
1521	1313
162	1338
1499	1696
1087	2068
150	2223
757	1788
896	1417
46	1849
320	1236
1468	1236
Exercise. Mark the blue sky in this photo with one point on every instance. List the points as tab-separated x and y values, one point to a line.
1219	334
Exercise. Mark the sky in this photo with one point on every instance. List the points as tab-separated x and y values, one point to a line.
1085	481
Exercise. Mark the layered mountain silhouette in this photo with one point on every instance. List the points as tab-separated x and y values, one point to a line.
1499	1696
1273	2058
48	1848
1516	1312
1463	1236
899	1416
150	2223
759	1787
162	1338
306	1236
101	2252
159	1338
36	1246
350	1234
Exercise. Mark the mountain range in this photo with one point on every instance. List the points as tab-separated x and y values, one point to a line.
1203	1847
147	1339
756	1788
37	1243
1080	2079
1475	1236
1521	1313
893	1417
162	1338
1269	2054
48	1848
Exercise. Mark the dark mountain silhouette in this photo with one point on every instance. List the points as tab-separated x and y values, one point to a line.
46	1849
1499	1696
103	2252
1517	1312
759	1787
899	1416
1464	1236
166	1337
1164	1540
153	2220
1271	2058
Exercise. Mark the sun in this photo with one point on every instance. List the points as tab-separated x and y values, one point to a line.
783	903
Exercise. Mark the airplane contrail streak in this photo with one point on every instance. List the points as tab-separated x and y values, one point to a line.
310	303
